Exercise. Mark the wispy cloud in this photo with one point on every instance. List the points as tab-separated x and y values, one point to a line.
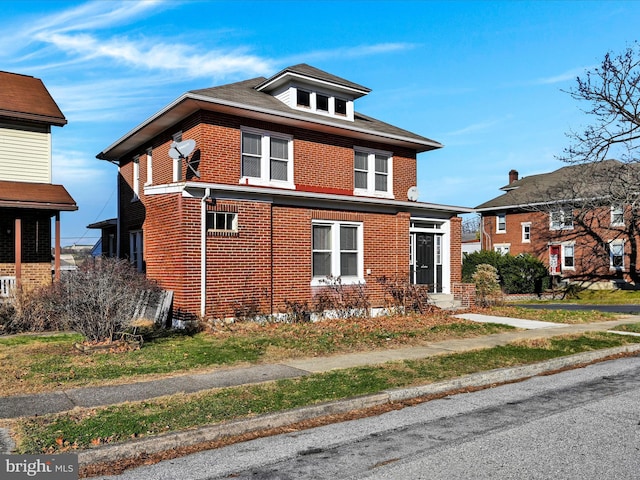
562	77
349	52
476	127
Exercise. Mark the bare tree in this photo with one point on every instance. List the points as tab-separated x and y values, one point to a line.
602	195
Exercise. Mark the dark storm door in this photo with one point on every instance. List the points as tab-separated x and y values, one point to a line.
425	255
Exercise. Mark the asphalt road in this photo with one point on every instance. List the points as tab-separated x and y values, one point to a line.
578	424
627	309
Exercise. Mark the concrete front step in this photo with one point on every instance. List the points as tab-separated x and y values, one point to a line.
444	300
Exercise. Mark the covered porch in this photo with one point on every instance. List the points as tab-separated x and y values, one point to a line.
27	211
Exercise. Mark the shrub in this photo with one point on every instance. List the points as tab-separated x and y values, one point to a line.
487	284
521	273
29	310
404	296
99	300
342	301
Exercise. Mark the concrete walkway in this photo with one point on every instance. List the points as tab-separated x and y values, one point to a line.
59	401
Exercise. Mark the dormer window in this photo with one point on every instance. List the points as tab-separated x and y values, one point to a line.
340	106
304	98
322	102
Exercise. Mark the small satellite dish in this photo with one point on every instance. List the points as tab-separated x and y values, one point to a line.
182	150
412	194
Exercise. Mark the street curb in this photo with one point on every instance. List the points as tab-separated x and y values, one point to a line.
185	438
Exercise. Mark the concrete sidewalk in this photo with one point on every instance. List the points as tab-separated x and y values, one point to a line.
39	404
59	401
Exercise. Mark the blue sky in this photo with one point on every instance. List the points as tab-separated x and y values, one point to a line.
484	78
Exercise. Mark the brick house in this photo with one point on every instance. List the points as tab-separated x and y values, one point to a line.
283	185
568	219
28	199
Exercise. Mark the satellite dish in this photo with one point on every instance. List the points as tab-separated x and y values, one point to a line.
182	150
412	194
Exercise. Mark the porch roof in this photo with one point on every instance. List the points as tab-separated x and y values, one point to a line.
39	196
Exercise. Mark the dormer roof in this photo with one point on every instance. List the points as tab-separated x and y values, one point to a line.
313	75
25	98
247	100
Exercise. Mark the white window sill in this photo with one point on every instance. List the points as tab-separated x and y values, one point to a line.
373	193
259	182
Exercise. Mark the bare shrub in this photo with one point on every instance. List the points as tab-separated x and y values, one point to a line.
297	311
405	297
487	285
99	299
29	310
342	301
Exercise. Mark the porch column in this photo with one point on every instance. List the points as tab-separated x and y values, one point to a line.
57	249
18	251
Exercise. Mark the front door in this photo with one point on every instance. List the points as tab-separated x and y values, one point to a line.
426	268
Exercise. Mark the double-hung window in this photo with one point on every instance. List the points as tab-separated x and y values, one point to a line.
617	215
136	179
501	223
616	254
267	158
561	220
337	251
526	232
568	256
373	173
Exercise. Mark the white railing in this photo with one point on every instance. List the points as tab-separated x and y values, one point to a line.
7	284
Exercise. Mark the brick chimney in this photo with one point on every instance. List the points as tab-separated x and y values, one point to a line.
513	176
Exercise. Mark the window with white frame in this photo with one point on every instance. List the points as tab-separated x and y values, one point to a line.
136	250
136	178
177	162
222	221
501	223
526	232
561	219
337	250
303	98
373	173
267	158
616	254
568	256
149	167
502	248
617	215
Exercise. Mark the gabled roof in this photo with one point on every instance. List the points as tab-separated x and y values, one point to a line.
23	97
39	196
243	99
588	180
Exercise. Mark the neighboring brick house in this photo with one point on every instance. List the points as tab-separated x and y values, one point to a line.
567	219
287	185
28	200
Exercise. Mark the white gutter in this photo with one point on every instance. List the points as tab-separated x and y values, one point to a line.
203	252
186	187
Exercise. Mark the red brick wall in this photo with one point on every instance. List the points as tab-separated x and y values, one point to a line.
456	250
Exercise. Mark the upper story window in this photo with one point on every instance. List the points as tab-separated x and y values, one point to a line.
149	167
177	162
267	158
526	232
136	179
617	215
501	223
303	98
561	220
322	102
373	173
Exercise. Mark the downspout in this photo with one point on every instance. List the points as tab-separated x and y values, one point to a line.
203	252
